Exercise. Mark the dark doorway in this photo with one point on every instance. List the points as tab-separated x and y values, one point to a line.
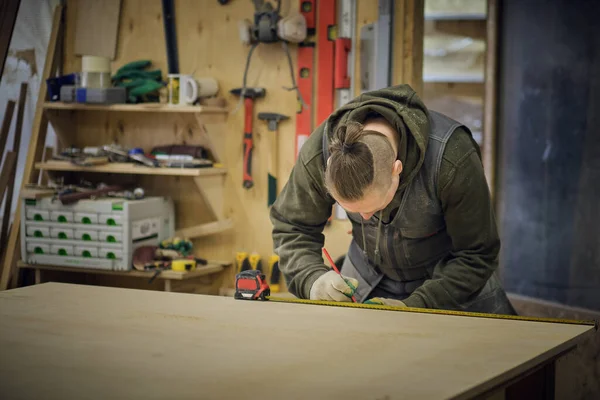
549	162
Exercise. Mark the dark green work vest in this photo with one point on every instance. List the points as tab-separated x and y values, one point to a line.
415	240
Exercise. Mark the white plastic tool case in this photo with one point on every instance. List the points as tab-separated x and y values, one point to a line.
99	234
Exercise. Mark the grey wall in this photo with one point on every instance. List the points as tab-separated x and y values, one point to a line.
549	133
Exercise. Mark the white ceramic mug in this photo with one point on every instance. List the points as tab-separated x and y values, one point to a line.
183	89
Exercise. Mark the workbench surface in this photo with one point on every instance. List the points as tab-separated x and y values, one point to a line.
70	341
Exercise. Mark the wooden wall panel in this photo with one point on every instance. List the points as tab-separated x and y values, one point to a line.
209	45
337	238
407	46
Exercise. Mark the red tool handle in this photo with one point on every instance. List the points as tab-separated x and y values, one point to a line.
306	54
248	143
342	49
325	60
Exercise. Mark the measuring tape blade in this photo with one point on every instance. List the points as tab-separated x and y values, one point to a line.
593	323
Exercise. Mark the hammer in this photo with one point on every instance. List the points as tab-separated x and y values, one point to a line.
273	119
249	95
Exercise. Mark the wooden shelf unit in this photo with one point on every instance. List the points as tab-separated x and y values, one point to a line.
129	168
464	87
436	16
207	180
207	229
457	78
200	212
149	107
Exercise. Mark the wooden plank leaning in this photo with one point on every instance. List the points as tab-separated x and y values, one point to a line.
8	169
36	146
11	180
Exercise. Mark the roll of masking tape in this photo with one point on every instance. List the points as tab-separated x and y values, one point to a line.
208	87
95	64
183	265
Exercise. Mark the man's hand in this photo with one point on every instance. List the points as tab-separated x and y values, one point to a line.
385	301
332	286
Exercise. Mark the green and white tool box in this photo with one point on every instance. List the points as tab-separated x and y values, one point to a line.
99	234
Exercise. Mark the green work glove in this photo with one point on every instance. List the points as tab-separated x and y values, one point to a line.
331	286
134	65
145	86
385	302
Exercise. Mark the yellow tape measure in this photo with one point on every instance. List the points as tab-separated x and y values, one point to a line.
183	265
433	311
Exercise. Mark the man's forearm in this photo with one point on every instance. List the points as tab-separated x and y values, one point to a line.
453	283
299	253
299	216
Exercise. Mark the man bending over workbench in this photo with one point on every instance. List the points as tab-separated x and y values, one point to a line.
412	182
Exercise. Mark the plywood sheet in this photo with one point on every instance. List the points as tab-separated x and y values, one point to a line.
96	27
69	341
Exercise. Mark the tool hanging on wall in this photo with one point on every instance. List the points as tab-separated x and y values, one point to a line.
325	58
170	36
273	120
249	94
306	59
344	52
345	45
326	33
268	27
375	42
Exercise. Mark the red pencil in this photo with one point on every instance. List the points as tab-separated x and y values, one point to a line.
334	267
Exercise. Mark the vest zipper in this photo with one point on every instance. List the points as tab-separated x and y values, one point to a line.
394	262
386	230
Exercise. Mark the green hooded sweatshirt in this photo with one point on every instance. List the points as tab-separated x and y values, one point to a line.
302	209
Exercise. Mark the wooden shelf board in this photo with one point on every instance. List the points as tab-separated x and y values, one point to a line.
475	78
149	107
202	270
207	229
455	16
129	168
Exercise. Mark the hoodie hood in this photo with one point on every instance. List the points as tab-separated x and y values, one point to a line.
401	107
